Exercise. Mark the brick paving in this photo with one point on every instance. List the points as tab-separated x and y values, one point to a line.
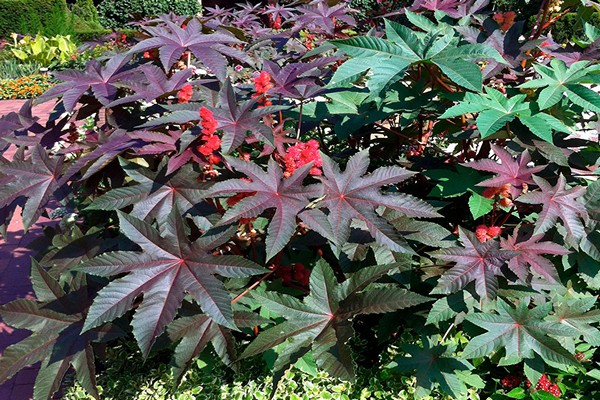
14	273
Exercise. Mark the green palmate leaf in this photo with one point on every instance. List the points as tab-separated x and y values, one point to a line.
425	232
452	183
558	80
434	365
197	330
522	333
579	315
321	322
495	111
168	267
57	339
451	306
388	59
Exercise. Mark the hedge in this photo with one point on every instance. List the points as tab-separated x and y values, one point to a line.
118	13
18	14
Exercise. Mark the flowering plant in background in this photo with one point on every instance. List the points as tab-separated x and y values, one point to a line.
421	198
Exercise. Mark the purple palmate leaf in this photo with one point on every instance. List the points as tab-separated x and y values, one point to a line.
172	40
294	80
152	83
510	171
168	267
450	7
352	195
100	79
320	17
156	193
558	202
287	196
56	321
35	179
237	120
531	255
475	261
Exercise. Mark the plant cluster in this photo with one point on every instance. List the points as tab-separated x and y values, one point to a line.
25	87
32	16
11	68
265	180
43	50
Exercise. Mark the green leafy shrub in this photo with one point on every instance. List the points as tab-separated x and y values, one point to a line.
31	15
43	50
48	17
118	13
524	8
129	377
86	18
11	68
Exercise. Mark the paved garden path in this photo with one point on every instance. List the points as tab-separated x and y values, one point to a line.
14	273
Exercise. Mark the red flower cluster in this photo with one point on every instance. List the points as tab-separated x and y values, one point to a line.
211	141
185	94
297	272
503	192
275	24
301	154
546	385
510	381
262	83
485	233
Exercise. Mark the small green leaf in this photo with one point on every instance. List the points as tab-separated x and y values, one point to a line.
479	205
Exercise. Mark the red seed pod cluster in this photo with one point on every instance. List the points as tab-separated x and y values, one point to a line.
295	272
510	381
503	192
185	93
275	23
262	84
211	142
301	154
485	233
546	385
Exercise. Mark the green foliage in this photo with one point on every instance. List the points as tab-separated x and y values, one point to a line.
85	10
435	364
85	17
558	80
524	8
118	13
404	48
47	51
11	68
569	27
48	17
129	377
496	111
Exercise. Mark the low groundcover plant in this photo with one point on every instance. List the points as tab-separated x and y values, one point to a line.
271	181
